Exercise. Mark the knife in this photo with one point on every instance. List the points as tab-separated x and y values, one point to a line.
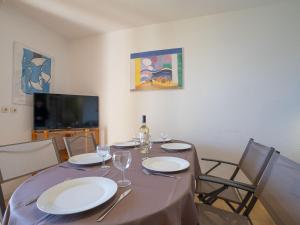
123	195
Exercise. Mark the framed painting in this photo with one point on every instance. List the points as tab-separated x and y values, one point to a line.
155	70
33	72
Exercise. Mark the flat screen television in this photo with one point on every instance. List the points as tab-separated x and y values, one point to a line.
59	111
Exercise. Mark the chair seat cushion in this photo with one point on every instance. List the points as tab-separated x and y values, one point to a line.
229	194
209	215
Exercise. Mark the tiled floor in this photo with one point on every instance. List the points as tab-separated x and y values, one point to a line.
259	215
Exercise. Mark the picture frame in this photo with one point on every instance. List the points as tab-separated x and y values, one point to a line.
156	70
33	71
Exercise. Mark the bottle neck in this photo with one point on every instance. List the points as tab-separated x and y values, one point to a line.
144	120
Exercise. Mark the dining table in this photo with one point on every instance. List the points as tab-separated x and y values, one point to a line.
154	200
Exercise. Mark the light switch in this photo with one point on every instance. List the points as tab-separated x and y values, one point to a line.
4	109
13	109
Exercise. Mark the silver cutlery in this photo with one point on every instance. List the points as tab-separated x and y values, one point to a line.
123	195
106	173
34	199
31	200
147	172
69	167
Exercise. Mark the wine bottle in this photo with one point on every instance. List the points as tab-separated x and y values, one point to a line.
144	131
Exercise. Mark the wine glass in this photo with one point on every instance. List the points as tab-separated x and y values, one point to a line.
163	136
103	151
136	140
142	140
149	147
122	160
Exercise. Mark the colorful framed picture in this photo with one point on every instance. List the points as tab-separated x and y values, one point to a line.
33	72
155	70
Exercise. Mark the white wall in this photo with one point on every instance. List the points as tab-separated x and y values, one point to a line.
17	27
241	80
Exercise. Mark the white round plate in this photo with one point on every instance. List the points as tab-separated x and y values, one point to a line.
126	144
165	164
76	195
160	140
176	146
87	159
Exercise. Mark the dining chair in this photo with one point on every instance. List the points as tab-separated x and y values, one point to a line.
278	191
252	164
80	144
19	160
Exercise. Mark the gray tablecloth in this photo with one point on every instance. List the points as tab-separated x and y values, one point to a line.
154	200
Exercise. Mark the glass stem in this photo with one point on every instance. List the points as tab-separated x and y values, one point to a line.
123	175
103	162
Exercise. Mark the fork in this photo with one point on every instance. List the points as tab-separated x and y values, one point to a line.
34	199
69	167
147	172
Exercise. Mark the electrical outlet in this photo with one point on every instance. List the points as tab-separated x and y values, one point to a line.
4	109
13	109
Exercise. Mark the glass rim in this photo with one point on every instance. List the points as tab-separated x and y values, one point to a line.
120	152
103	145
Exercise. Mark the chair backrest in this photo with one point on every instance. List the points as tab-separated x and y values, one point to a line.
80	144
17	160
254	160
279	190
21	159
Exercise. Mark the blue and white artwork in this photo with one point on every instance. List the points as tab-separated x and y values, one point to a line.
33	73
36	72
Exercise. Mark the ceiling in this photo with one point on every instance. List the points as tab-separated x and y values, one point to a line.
78	18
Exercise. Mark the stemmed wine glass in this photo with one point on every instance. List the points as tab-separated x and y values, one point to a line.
149	147
103	151
163	136
136	140
122	160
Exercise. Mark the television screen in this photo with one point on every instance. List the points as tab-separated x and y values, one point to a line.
58	111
